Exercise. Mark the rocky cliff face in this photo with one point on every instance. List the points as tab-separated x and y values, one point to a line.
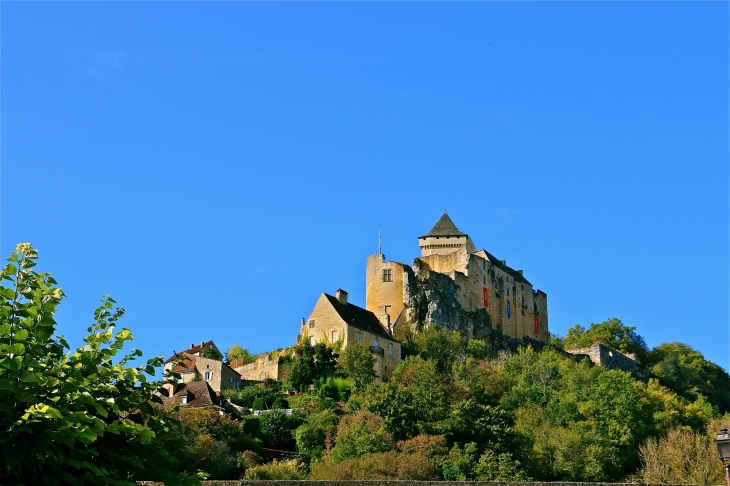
433	299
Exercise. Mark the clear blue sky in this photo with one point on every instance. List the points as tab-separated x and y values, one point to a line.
216	166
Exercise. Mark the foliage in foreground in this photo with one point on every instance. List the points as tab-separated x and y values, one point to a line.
73	417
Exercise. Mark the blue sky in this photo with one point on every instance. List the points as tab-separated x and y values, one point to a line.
216	166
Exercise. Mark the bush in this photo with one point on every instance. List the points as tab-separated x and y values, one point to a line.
682	457
259	404
276	470
417	459
280	403
360	434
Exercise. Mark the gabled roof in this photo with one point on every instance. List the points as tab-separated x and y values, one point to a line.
498	263
199	393
358	317
193	349
444	227
186	364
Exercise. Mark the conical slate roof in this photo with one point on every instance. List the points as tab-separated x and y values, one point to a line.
444	227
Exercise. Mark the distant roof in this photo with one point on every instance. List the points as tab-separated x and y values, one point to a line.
498	263
444	227
358	317
191	350
199	393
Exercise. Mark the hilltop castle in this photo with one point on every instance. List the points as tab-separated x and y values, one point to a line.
452	284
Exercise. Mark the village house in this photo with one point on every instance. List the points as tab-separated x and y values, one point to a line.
203	362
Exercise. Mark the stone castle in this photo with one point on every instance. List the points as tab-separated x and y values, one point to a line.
454	285
450	285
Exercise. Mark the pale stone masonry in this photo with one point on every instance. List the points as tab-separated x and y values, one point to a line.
409	298
193	365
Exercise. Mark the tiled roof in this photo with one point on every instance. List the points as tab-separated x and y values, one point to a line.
358	317
190	351
186	364
199	394
444	227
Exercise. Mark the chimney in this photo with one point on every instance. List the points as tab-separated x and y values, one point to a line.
201	343
521	272
192	345
504	262
303	322
341	296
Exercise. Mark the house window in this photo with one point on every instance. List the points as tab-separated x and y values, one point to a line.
334	336
390	348
184	399
312	341
376	344
485	280
357	337
387	277
311	323
181	380
208	375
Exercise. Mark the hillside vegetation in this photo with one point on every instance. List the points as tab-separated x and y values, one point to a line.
452	410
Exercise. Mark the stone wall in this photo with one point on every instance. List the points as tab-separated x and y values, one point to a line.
610	358
265	367
391	483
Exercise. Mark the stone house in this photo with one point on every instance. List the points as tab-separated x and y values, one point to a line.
457	286
336	321
194	364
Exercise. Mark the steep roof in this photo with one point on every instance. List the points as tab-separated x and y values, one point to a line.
498	263
358	317
444	227
193	349
199	393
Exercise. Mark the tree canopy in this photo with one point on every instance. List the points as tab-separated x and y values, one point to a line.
73	417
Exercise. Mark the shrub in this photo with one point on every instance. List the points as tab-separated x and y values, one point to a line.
259	403
681	457
280	403
276	470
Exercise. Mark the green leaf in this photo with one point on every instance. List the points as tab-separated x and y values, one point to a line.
17	349
21	335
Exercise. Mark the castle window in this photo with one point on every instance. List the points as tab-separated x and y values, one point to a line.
357	337
387	277
208	375
311	323
485	280
390	348
376	344
334	336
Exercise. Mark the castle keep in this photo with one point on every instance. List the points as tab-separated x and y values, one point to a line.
454	285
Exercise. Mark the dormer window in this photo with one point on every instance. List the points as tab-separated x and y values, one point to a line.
387	276
184	399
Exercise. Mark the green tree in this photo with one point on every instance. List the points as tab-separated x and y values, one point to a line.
360	434
612	333
211	442
689	374
311	435
82	417
237	351
357	363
